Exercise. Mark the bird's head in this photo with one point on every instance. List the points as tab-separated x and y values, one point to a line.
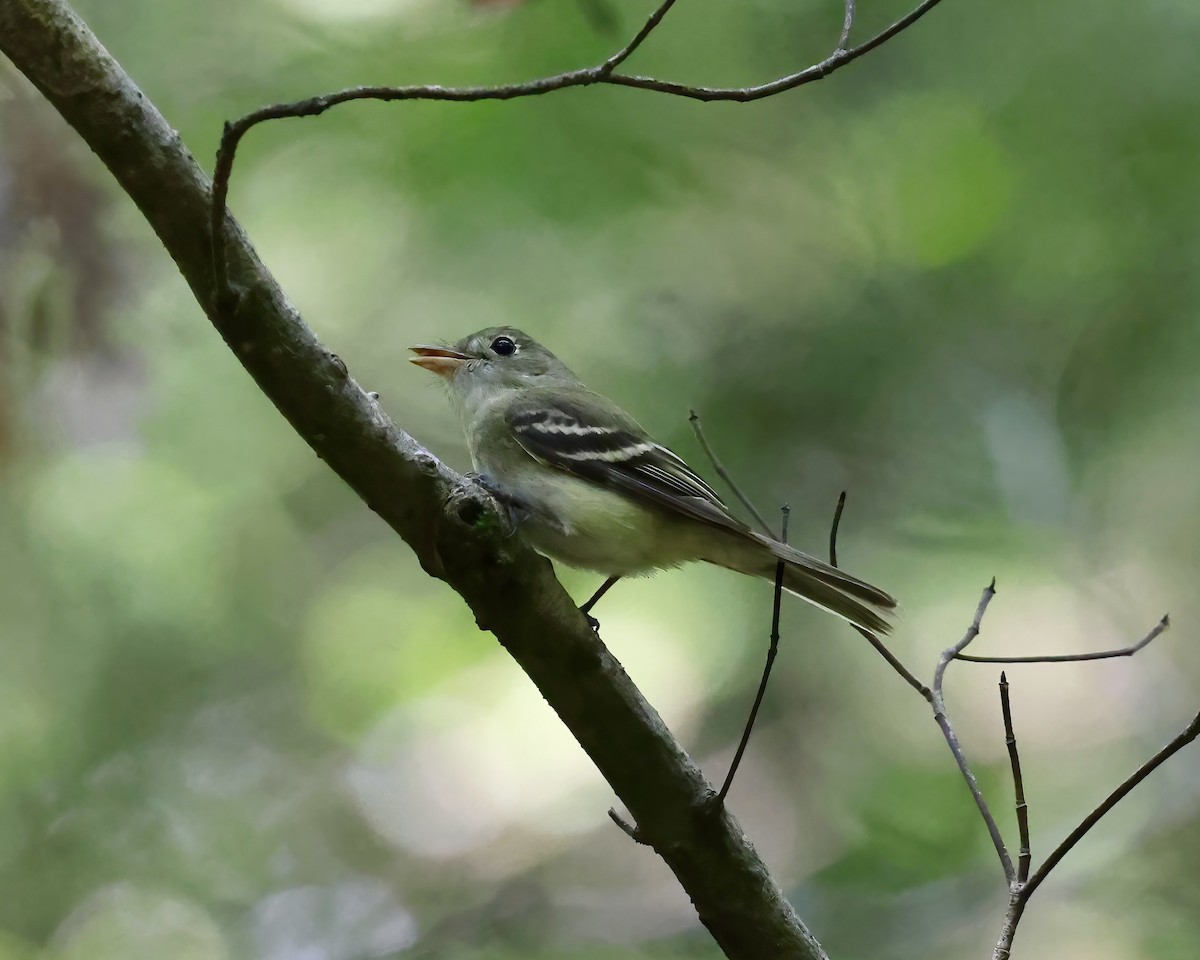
495	359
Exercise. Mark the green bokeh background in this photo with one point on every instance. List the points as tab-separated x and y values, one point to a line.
958	279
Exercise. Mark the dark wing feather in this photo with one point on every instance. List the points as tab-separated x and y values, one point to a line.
591	438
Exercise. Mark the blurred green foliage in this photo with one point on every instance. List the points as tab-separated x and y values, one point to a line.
957	279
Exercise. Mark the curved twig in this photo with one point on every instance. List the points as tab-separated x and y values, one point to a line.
602	73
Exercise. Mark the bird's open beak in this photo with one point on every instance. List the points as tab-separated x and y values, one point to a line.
438	360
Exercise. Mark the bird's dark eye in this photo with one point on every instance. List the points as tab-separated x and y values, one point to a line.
504	346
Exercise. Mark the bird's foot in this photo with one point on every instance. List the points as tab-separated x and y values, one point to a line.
512	508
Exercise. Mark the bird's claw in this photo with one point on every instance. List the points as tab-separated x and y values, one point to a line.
511	508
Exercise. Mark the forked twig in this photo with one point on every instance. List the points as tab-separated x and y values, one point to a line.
1022	892
934	697
1020	882
940	716
622	55
601	73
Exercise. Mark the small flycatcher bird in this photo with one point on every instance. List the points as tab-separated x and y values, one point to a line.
595	491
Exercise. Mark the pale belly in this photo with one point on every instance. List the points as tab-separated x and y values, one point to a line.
592	528
609	534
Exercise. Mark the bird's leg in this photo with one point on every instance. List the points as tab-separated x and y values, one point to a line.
513	507
586	609
604	588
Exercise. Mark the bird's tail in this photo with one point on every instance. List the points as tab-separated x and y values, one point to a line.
807	577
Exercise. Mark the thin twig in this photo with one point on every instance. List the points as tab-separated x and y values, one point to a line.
943	721
772	650
972	632
894	662
880	647
719	467
818	71
1159	628
601	73
834	526
1024	854
847	24
622	55
1021	885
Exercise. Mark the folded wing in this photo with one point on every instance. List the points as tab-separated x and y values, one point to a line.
588	436
608	448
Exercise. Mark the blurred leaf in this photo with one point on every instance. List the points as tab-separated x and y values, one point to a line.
916	827
368	647
123	923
